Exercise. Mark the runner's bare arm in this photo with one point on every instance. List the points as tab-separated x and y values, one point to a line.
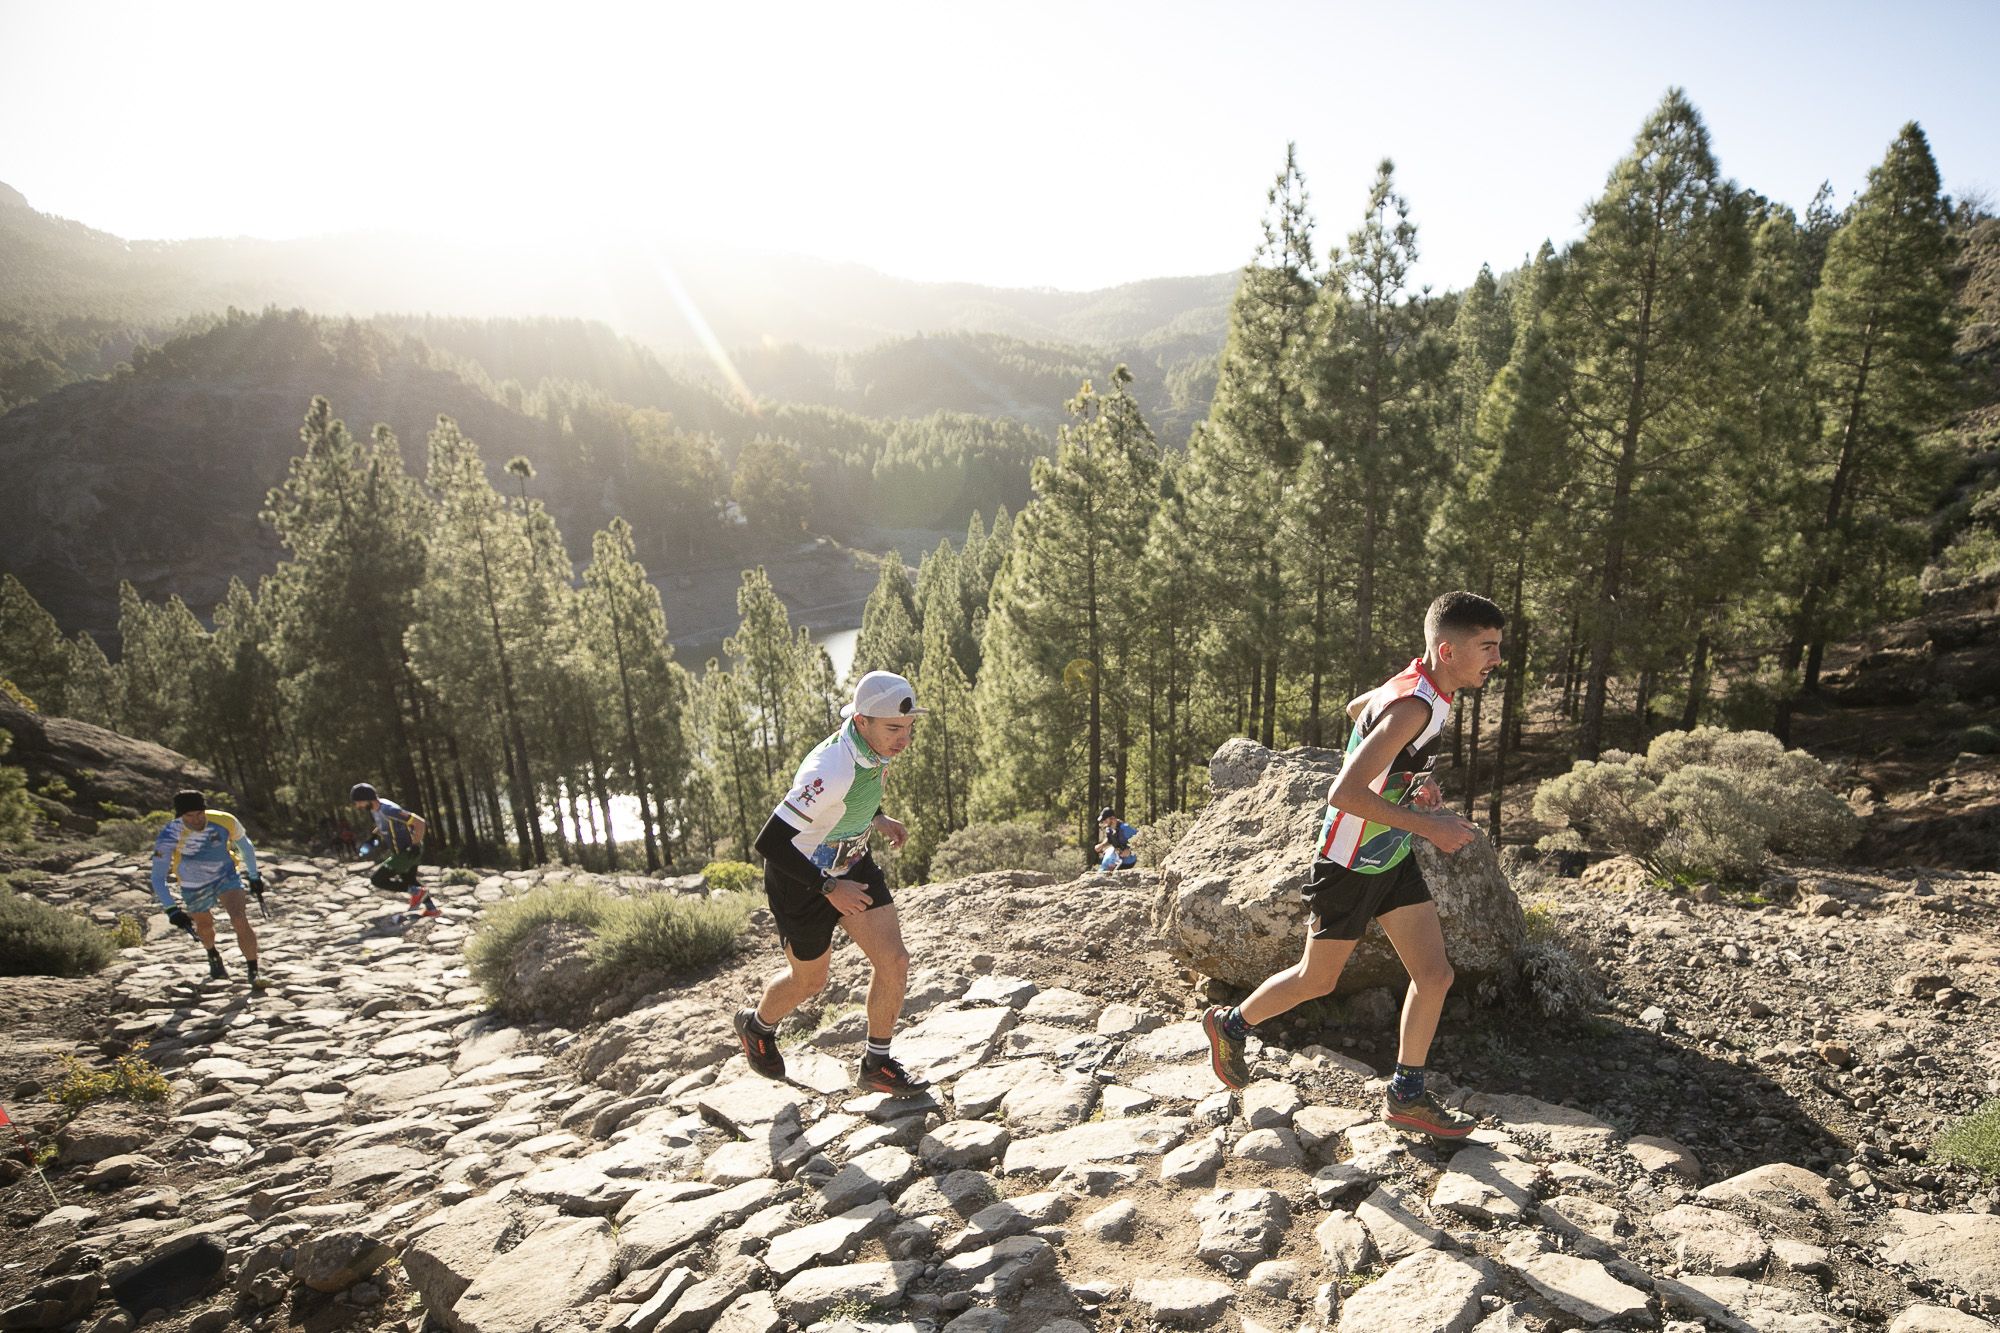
1401	724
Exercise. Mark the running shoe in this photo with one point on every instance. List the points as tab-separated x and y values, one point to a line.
1225	1053
890	1078
1425	1114
760	1049
216	971
430	910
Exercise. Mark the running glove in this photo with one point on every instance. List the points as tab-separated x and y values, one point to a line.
179	919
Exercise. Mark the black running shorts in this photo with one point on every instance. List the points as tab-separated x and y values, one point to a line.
1344	901
806	919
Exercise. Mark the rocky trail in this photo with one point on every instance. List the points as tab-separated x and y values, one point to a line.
365	1146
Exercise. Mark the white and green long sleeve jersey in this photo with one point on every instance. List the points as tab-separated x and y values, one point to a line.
834	799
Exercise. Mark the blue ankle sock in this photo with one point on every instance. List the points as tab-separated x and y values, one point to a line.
1408	1082
1234	1024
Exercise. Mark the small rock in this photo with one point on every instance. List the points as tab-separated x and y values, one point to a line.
53	1303
1192	1163
1270	1104
338	1260
812	1293
1275	1278
1272	1147
1937	1319
1112	1224
1658	1154
1706	1240
1240	1227
962	1144
1187	1302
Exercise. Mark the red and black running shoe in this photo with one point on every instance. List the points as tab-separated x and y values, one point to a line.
890	1078
759	1048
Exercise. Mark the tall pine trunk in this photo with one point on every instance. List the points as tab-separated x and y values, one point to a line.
1604	624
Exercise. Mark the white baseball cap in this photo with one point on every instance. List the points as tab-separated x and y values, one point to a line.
883	694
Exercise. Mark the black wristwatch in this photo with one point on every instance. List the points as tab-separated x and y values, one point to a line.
825	884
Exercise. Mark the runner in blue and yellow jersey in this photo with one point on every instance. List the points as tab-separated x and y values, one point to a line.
210	856
399	835
1362	869
819	873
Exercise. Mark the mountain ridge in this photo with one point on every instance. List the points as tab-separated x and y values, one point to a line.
670	297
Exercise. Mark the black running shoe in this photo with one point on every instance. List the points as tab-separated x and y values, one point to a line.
216	971
1225	1053
760	1049
890	1078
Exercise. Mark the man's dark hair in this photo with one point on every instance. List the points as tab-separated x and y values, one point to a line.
1460	613
188	801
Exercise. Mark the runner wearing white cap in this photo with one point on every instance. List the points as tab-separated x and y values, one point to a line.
819	873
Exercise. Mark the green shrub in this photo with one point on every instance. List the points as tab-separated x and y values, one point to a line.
17	808
1158	839
460	877
1973	1141
1973	555
1015	845
37	940
1559	982
1700	805
667	935
131	1077
731	876
638	941
125	835
55	789
128	933
1982	739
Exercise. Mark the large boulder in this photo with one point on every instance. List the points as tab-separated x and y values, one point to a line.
101	767
1230	907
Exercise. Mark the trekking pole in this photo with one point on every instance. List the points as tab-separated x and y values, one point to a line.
28	1151
257	891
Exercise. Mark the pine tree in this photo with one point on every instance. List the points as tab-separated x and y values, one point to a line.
772	670
623	618
95	692
163	651
353	522
473	633
240	725
889	639
1065	609
1513	507
1373	376
734	772
1171	615
32	652
1482	339
1881	369
1243	460
933	778
1649	295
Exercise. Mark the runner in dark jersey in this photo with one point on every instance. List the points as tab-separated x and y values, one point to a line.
1362	866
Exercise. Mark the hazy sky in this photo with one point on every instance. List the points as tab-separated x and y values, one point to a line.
1069	144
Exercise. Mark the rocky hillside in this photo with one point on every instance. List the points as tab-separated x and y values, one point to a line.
1736	1137
105	774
